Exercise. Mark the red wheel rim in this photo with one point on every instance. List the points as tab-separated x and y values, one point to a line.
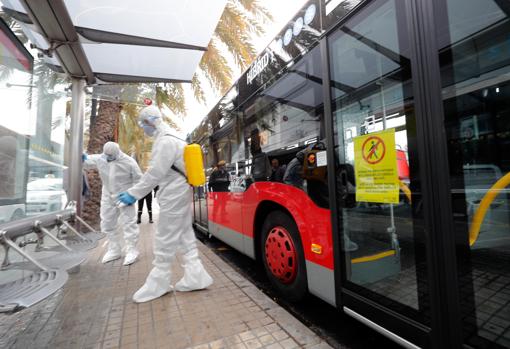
281	255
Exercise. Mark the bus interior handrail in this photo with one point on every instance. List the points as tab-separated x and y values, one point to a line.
483	207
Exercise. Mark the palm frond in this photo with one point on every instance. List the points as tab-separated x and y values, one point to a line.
216	69
171	122
171	96
254	7
198	91
238	44
238	24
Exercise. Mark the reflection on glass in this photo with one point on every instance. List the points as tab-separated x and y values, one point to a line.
475	66
373	116
13	169
282	123
32	136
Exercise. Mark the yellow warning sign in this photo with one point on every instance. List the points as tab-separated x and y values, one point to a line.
375	166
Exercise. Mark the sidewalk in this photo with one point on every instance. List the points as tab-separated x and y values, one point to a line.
95	310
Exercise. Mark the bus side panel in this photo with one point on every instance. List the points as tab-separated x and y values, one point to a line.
314	223
225	219
232	219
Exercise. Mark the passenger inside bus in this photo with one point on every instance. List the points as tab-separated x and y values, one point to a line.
294	172
219	179
261	169
316	176
277	171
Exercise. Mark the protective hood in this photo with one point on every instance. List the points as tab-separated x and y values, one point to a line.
149	118
111	150
149	115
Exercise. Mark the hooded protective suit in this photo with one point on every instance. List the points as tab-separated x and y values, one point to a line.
118	172
174	230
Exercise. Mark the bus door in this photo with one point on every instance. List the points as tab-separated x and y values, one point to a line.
200	198
200	205
384	271
225	201
474	55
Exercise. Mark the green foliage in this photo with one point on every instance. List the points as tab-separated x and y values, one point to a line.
240	20
171	96
215	68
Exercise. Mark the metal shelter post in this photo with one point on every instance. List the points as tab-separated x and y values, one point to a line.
76	142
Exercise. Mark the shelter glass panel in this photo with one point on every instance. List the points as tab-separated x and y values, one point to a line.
33	104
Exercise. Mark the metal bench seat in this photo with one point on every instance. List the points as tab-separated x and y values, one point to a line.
31	289
48	264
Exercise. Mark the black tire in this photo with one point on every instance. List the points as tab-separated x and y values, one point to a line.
297	289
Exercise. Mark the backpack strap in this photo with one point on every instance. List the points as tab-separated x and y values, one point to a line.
179	171
175	168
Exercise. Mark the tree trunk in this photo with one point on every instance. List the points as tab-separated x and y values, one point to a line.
101	131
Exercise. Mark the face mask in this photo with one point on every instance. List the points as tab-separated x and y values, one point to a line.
109	158
149	130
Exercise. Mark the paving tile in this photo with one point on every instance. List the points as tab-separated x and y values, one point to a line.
247	335
259	332
95	310
253	344
322	345
280	335
233	340
289	343
273	327
238	346
218	344
109	344
267	339
274	346
128	340
202	346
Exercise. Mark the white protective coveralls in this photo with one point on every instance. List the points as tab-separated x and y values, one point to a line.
117	176
174	229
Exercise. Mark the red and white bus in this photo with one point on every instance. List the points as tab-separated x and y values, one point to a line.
359	166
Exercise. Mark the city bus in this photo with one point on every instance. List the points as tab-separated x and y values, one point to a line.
367	152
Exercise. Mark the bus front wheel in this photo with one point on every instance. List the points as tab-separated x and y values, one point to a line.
283	257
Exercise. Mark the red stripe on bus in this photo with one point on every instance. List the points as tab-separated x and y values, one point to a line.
237	211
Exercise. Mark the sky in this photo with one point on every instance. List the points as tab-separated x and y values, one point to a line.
282	12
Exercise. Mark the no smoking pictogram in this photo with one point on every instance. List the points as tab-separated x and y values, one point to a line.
373	150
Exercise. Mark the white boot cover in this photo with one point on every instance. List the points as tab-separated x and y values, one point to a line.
113	253
131	255
156	285
195	276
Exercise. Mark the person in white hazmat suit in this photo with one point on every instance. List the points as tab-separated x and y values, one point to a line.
174	230
118	172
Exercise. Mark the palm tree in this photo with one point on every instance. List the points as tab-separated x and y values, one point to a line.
240	21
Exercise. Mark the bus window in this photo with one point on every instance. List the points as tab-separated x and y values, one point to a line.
282	121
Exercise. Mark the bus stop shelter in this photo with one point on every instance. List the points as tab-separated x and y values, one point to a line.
97	42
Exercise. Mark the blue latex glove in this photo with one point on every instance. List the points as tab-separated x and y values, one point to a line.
127	199
84	157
